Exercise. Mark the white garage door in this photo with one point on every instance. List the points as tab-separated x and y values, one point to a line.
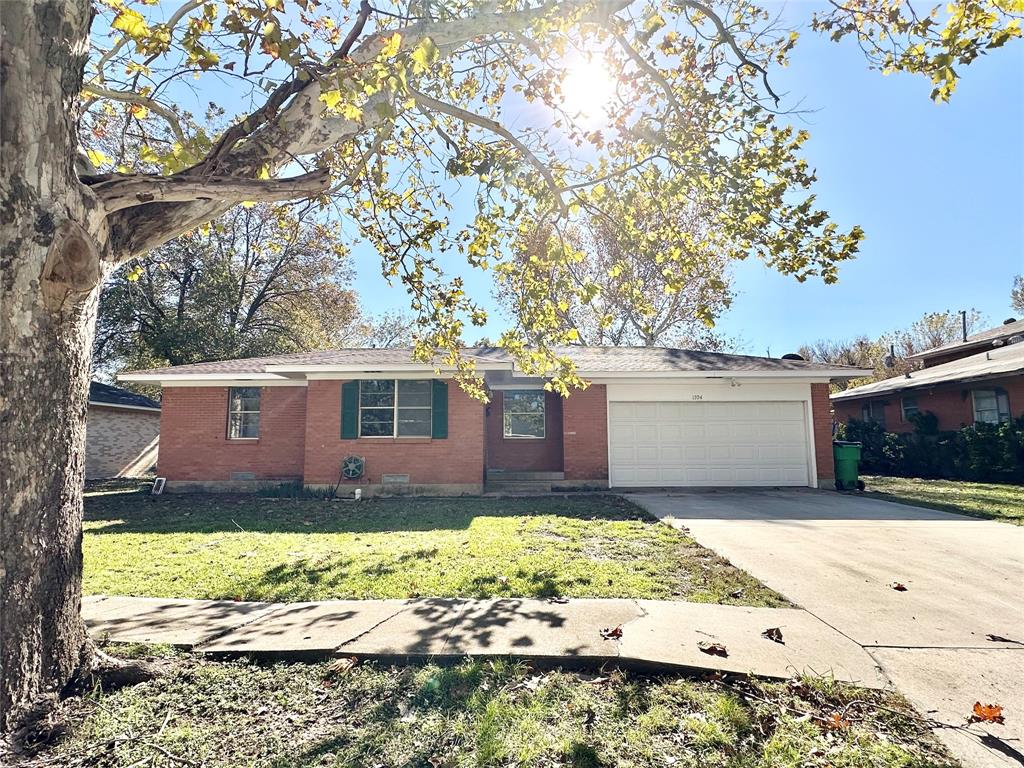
707	443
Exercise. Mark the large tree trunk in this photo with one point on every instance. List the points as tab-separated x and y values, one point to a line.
51	265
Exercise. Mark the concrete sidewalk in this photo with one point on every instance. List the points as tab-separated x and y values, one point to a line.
654	633
954	636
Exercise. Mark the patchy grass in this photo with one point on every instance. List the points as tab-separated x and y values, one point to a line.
483	713
254	548
991	500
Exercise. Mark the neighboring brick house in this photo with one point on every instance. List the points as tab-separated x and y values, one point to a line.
651	417
977	380
122	433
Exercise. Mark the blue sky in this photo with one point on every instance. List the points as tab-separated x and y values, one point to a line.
938	188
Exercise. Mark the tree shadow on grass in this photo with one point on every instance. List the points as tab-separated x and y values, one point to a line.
211	513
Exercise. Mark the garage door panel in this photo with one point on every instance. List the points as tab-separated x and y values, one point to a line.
708	443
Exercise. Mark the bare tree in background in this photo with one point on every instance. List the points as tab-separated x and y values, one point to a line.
623	291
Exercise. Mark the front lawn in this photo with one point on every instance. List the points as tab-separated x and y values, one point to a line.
991	500
256	548
482	713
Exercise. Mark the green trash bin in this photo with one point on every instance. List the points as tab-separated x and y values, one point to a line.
847	460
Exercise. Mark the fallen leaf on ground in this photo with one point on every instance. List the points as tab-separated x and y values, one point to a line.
612	633
898	587
774	634
342	666
836	722
712	649
986	713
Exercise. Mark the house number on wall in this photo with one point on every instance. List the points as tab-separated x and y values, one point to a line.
696	397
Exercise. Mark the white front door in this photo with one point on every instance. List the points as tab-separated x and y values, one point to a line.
708	443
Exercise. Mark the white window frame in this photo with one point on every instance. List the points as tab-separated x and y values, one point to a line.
505	412
872	407
1000	397
903	407
232	412
395	407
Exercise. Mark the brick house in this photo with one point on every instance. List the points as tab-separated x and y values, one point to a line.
651	417
980	379
122	433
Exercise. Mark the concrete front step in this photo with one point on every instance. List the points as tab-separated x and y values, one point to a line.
518	486
506	474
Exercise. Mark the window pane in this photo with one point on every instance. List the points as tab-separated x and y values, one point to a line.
244	425
524	425
1004	405
379	393
244	399
414	422
524	402
376	422
413	393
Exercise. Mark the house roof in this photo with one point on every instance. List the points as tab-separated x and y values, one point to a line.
117	397
975	340
589	361
1001	361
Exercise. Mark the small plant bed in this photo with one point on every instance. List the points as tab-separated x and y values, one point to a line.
990	500
482	713
256	548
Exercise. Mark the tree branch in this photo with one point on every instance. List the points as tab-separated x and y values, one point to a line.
729	39
143	101
120	192
497	128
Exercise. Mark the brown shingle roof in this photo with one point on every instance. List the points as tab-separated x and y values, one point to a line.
588	359
1004	331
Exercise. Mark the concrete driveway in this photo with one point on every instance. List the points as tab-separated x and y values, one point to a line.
837	556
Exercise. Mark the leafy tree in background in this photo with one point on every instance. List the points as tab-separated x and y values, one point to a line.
650	288
367	109
1017	294
257	281
888	354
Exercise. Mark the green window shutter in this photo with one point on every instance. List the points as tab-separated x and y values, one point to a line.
350	410
439	427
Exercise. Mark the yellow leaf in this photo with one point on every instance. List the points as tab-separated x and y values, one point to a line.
97	158
131	23
139	111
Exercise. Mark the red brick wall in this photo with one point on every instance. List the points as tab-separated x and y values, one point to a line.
821	414
585	427
459	459
951	403
193	435
525	454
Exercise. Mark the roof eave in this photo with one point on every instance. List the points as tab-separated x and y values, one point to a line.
725	373
853	395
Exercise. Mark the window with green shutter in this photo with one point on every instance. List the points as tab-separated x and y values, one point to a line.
394	408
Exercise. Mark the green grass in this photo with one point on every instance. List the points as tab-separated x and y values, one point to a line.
254	548
482	713
991	500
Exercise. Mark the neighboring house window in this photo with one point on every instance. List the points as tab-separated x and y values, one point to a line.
390	408
909	408
991	406
243	413
873	411
524	413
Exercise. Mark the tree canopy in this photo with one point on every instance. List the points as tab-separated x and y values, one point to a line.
888	354
256	281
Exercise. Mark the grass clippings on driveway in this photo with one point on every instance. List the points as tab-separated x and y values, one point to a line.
483	713
994	501
256	548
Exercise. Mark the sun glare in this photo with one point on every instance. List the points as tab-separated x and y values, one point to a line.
587	91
